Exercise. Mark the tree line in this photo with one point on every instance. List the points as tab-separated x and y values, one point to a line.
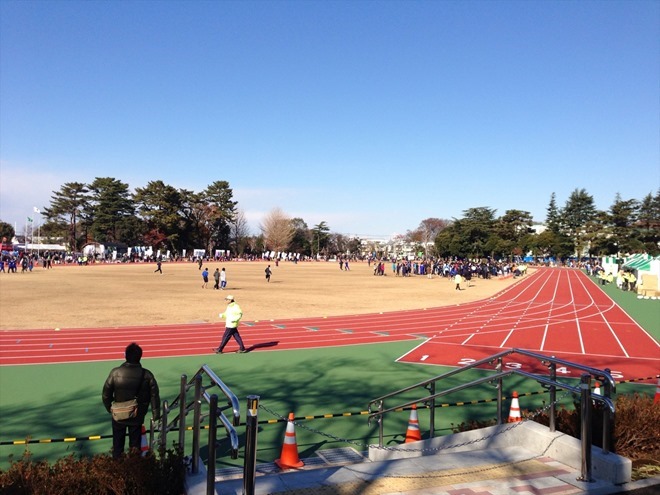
577	228
167	218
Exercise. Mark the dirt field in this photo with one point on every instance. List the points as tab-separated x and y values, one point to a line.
133	294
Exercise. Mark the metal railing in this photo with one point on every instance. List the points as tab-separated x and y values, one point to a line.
183	407
378	409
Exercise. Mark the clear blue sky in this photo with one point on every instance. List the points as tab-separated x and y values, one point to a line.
369	115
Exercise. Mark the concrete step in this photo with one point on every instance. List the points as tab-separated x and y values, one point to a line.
491	472
491	461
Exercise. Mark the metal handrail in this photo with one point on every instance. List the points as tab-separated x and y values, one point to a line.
436	395
377	409
453	372
576	390
232	399
216	413
602	375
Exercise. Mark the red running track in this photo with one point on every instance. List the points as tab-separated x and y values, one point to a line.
558	312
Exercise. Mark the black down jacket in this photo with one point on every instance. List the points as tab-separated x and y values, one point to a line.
122	384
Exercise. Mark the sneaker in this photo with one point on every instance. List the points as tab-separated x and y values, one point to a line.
217	351
241	351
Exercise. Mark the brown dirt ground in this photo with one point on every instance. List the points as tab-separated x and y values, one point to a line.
107	295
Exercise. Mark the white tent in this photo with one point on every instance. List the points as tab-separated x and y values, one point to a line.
610	264
45	247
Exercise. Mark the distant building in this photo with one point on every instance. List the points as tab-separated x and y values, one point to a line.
539	228
105	250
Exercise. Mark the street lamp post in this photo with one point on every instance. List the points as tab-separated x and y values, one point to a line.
37	210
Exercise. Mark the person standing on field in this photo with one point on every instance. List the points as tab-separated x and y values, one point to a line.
268	273
232	316
223	279
216	278
205	278
126	382
457	280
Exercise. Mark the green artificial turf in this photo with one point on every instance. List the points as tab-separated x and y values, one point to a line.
646	312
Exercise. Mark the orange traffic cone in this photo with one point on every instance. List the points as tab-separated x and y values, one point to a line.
144	446
514	412
413	434
656	399
289	458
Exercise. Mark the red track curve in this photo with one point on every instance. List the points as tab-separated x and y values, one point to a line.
558	312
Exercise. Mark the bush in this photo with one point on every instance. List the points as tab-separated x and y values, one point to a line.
472	424
98	475
636	432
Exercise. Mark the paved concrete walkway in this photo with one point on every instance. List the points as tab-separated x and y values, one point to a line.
508	471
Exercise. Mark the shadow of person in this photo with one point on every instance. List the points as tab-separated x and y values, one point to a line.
261	345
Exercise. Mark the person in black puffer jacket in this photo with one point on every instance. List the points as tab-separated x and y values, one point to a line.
124	383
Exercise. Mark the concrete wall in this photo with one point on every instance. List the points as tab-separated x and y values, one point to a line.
528	435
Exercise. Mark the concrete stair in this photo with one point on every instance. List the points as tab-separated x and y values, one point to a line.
523	458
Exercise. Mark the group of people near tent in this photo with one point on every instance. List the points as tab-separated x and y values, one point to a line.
625	279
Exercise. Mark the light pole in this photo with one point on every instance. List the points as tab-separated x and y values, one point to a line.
36	210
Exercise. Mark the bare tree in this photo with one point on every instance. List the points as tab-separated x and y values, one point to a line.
255	243
429	229
239	232
277	230
338	244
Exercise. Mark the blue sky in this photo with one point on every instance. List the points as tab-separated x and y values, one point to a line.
368	115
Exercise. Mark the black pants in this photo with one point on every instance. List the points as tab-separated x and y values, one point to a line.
119	437
229	333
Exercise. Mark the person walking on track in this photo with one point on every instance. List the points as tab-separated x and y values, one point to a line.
232	316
